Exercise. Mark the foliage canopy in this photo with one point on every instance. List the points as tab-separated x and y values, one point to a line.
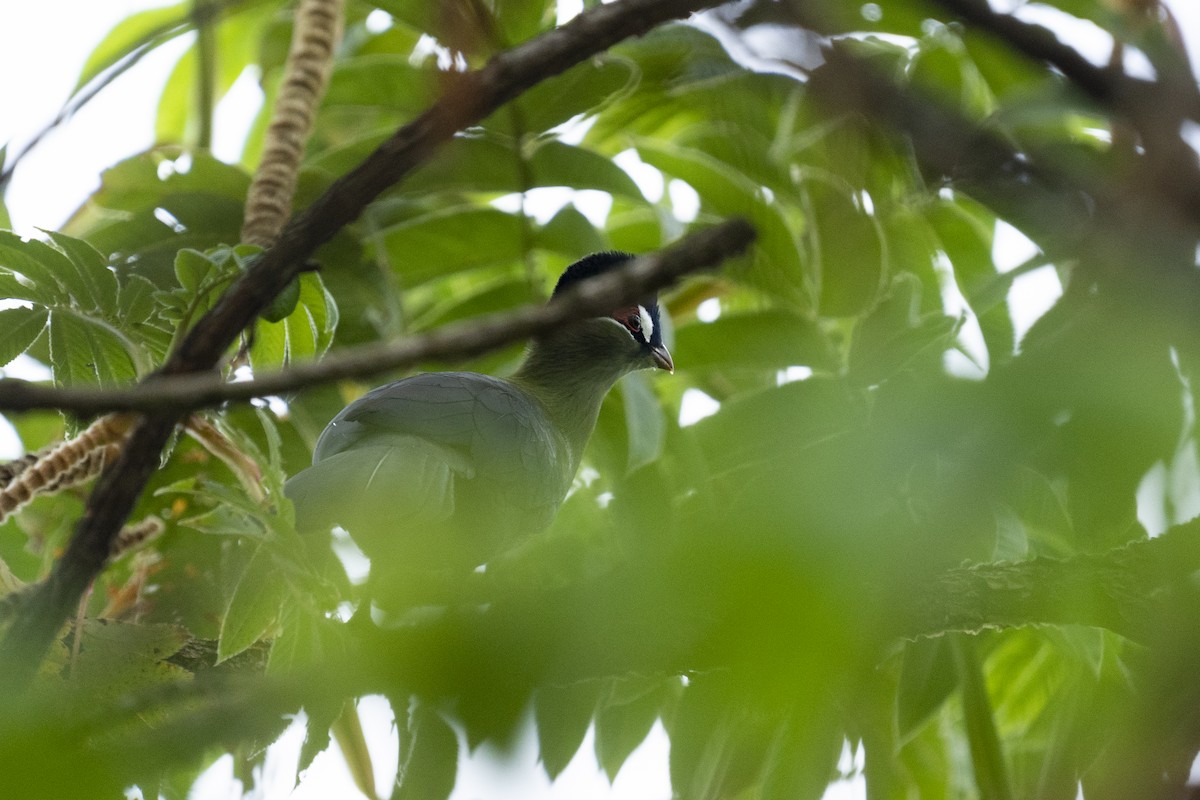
909	524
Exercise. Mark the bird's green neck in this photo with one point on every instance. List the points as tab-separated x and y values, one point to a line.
571	373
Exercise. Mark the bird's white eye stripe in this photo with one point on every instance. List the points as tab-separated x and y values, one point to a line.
647	323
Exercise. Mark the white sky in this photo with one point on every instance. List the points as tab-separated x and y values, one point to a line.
42	48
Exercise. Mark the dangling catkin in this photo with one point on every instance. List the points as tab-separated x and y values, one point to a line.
318	28
66	464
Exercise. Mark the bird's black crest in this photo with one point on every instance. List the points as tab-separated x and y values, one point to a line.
598	263
592	265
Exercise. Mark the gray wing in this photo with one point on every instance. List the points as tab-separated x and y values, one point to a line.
458	450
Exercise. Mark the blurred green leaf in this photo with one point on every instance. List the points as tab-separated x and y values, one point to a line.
966	234
518	20
849	249
36	262
563	714
387	80
428	755
727	193
644	420
487	165
894	335
130	35
254	606
774	339
991	769
116	657
928	676
623	723
941	69
579	90
451	241
569	231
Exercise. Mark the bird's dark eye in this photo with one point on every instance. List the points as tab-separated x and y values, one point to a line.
634	323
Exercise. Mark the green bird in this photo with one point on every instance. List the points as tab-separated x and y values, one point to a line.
439	473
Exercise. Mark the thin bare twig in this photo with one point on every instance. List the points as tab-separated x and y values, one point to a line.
453	342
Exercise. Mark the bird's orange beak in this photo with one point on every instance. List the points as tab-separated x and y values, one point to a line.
662	358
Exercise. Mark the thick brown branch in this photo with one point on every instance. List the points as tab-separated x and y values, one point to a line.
469	100
453	342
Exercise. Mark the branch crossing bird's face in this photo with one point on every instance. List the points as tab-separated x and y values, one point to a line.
640	321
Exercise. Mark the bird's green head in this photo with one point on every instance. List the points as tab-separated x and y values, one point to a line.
639	322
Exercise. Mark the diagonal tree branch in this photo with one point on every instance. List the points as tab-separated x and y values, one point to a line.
453	342
468	99
1041	44
1113	89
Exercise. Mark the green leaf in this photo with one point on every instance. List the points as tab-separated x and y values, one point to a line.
450	241
1040	512
38	264
254	607
129	35
519	20
582	89
92	282
623	723
556	163
284	303
193	269
500	295
772	339
634	229
19	327
178	99
387	80
895	336
235	49
991	770
86	351
428	755
135	303
684	76
965	232
701	733
849	249
487	165
726	192
353	744
645	420
571	233
940	69
304	333
927	677
563	715
116	658
150	179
